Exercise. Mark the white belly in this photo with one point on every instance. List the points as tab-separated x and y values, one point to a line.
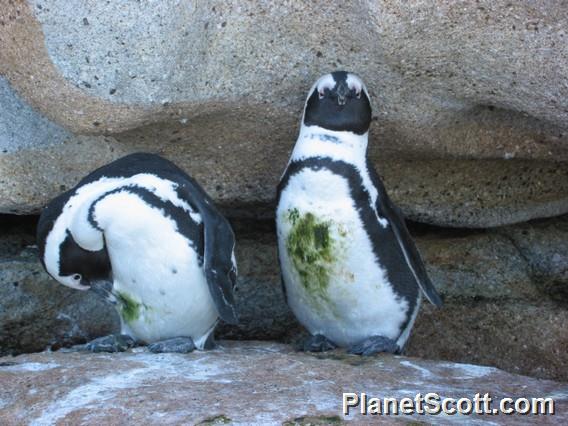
163	290
334	284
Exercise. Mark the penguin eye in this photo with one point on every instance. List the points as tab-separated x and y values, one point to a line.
321	94
358	94
77	277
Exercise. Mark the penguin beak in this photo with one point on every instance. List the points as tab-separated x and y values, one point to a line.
342	92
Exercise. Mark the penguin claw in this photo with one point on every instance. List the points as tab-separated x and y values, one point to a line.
111	343
180	345
318	343
373	345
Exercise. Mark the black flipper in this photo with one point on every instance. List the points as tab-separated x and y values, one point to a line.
387	209
219	244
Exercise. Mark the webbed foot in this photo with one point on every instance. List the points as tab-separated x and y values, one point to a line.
373	345
180	345
111	343
318	343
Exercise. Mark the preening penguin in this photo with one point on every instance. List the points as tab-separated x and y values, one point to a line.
144	234
351	272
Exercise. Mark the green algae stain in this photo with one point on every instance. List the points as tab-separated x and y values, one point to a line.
293	216
215	420
129	308
310	247
314	421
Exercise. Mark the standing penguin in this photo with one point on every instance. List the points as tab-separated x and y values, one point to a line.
351	272
144	234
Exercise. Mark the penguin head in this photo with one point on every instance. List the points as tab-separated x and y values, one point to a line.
61	255
340	102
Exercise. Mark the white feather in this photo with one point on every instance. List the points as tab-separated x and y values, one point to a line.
75	211
361	301
145	248
155	266
352	149
406	332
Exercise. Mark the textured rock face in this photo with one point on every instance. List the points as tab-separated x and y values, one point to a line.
242	383
504	298
38	158
36	313
469	99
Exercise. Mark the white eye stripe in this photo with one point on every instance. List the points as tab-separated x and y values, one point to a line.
354	83
326	82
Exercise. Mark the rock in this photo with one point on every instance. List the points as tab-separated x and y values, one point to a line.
35	313
190	56
520	337
40	159
476	266
502	307
263	312
470	129
544	246
22	128
241	383
476	194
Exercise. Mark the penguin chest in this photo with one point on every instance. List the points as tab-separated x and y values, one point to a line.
334	283
159	306
160	287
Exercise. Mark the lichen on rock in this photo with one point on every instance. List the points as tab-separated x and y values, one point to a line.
215	420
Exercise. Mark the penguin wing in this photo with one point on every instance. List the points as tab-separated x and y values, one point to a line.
219	262
396	220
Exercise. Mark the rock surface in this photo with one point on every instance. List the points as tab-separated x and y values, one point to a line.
470	100
504	291
243	383
40	159
520	337
34	312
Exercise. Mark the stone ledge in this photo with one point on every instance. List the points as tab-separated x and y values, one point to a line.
240	383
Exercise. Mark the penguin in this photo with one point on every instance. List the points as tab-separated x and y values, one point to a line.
142	233
351	272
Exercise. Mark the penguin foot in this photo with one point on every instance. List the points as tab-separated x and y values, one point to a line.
111	343
180	345
318	343
373	345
